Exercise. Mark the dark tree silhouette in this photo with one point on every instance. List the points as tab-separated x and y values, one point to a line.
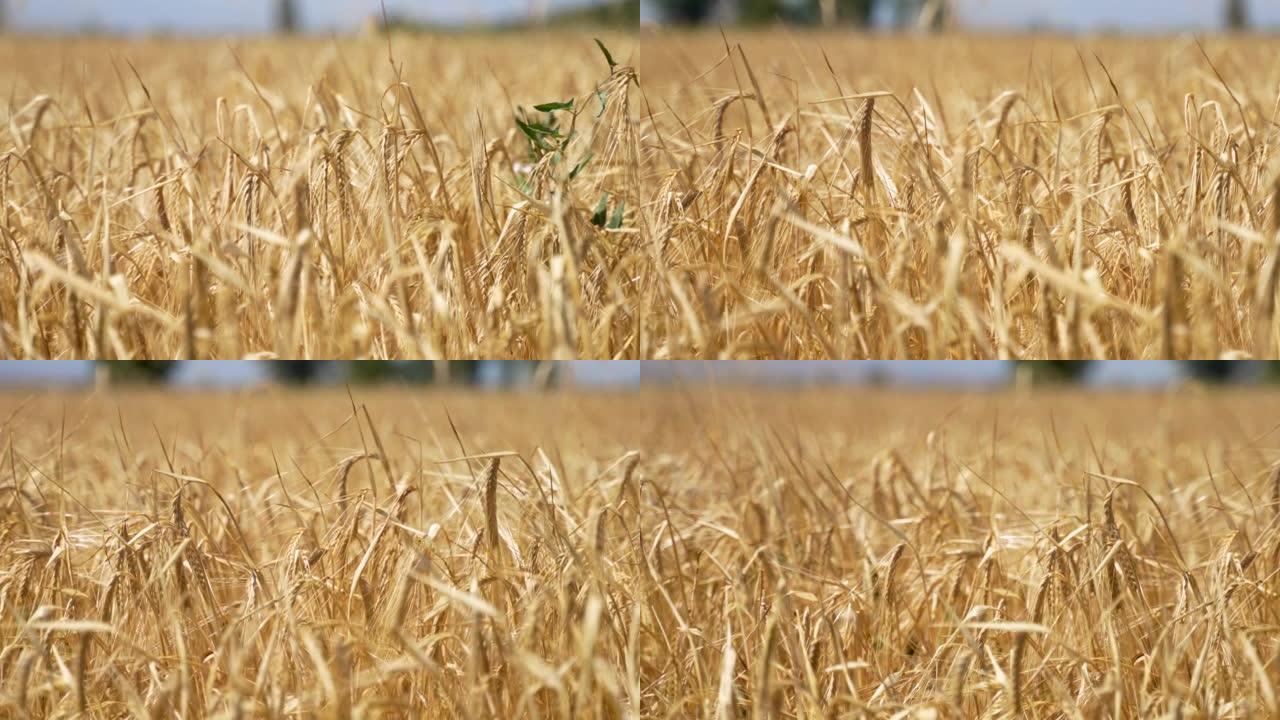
287	16
296	372
419	372
1054	371
138	371
688	12
1237	15
461	372
407	371
1216	372
458	372
849	12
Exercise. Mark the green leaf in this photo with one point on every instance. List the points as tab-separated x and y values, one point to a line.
526	129
535	132
607	56
615	222
581	164
553	106
539	143
535	128
601	95
602	210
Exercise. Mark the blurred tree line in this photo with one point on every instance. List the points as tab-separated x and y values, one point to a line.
465	373
1208	372
531	373
603	13
930	14
934	14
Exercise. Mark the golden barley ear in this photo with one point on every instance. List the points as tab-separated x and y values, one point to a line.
490	483
177	517
866	168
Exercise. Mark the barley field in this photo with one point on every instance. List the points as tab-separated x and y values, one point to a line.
712	553
756	194
306	198
966	196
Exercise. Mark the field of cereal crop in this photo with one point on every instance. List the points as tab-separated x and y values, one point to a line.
762	194
664	553
839	195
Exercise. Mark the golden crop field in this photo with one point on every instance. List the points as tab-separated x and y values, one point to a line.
715	553
308	198
836	195
768	194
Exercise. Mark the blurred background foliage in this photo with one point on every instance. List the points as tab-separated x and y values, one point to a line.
514	373
934	14
297	16
1207	372
924	14
543	375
